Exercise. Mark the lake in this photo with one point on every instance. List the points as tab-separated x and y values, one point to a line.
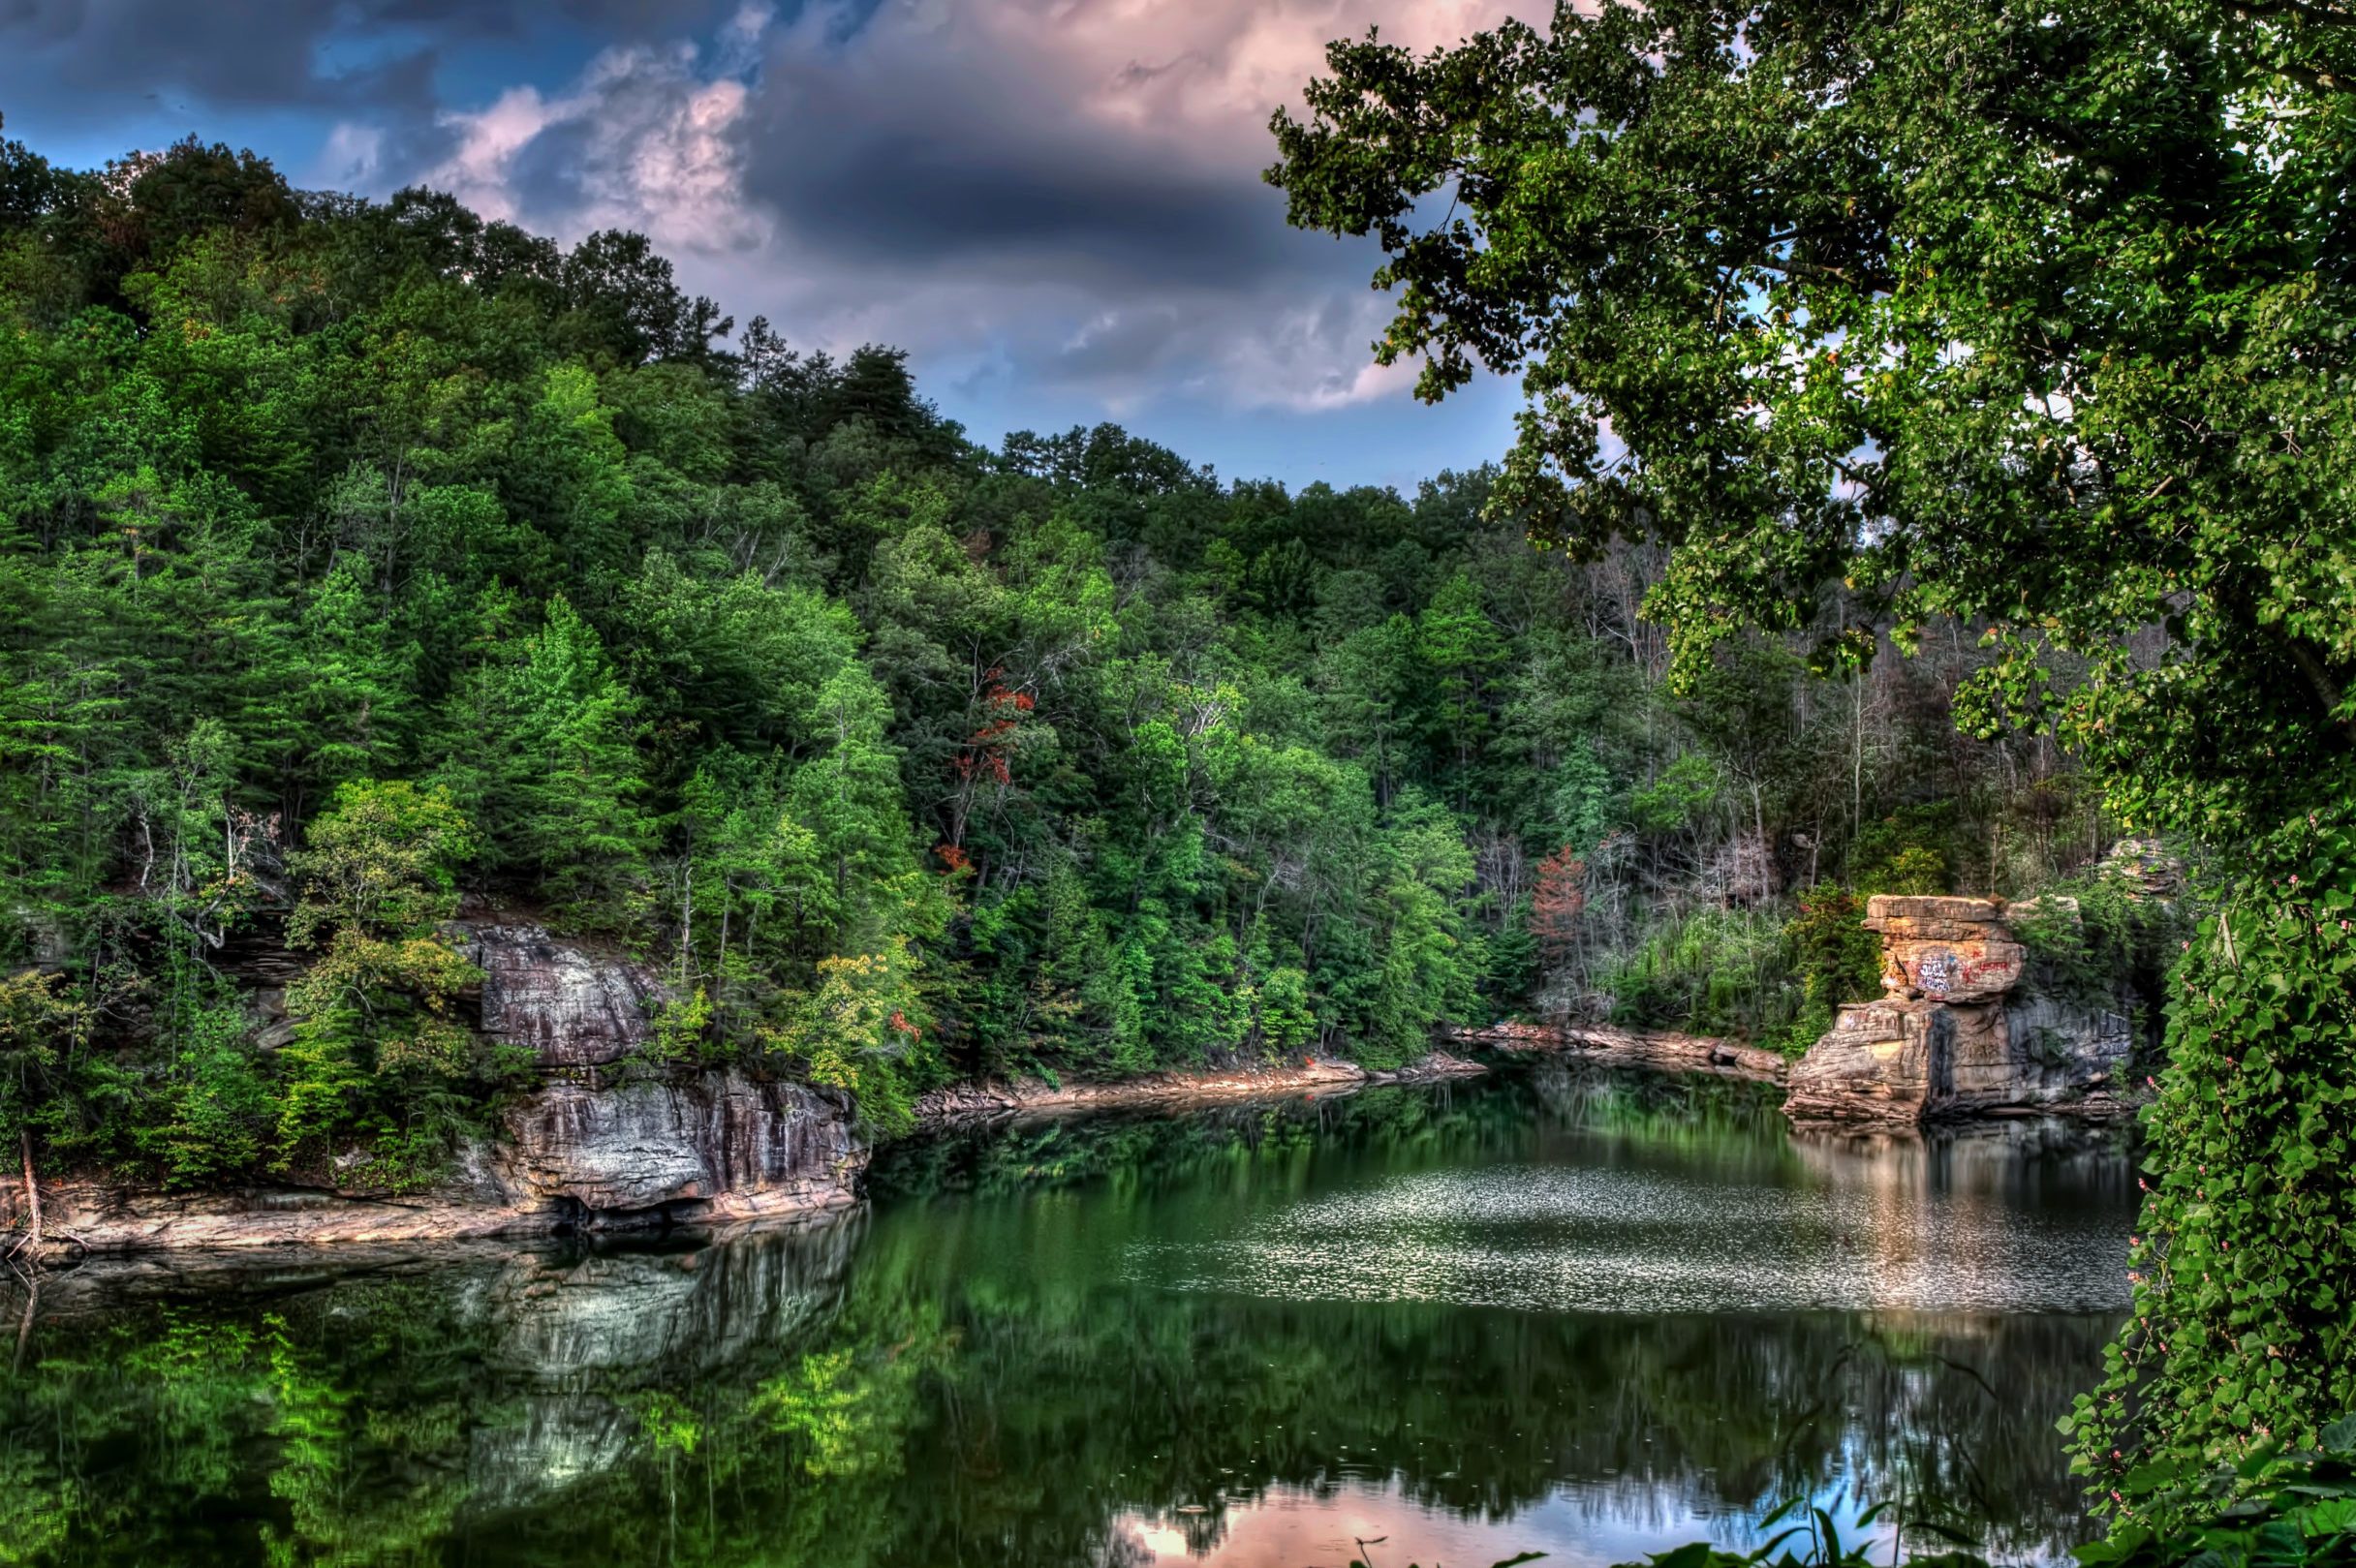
1556	1311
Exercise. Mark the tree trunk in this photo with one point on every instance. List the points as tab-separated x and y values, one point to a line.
32	1188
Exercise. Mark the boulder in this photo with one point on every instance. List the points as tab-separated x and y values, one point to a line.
2144	869
1955	950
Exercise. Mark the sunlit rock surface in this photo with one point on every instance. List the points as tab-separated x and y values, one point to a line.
1954	1032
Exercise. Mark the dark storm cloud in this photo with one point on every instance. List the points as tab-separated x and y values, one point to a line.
262	52
1096	163
961	165
929	204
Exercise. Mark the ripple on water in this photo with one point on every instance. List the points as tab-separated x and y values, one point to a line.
1590	1238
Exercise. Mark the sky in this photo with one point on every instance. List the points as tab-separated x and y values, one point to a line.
1054	205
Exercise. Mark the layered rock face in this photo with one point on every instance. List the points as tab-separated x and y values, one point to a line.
1955	1033
565	1005
600	1142
604	1142
715	1146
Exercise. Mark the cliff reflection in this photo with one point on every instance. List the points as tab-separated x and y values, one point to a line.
996	1366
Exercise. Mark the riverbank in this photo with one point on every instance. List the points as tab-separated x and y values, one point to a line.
580	1153
957	1104
88	1217
639	1156
1652	1050
694	1156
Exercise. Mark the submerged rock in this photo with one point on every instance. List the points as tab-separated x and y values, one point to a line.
1955	1033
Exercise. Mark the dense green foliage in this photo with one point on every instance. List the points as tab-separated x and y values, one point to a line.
2259	1107
2285	1510
366	564
2033	317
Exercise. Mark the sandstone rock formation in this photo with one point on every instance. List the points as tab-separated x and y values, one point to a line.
1954	1032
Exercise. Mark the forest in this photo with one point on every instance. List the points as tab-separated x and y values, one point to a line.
364	563
1933	476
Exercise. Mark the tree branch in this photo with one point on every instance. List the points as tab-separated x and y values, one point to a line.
2328	691
2280	10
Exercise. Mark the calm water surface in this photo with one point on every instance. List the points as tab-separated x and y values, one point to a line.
1583	1315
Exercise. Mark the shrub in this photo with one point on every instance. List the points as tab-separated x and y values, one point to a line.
1836	958
1906	852
2095	942
1713	972
2245	1323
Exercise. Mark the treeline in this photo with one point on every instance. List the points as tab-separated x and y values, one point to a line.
360	561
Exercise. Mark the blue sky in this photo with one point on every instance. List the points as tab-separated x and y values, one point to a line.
1055	206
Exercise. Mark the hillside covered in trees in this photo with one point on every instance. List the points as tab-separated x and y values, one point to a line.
362	564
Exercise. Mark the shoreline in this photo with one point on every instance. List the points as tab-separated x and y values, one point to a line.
92	1218
961	1104
1652	1050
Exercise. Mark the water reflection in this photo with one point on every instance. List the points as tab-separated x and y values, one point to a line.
1588	1316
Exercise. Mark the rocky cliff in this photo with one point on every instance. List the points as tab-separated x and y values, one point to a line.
605	1141
1956	1032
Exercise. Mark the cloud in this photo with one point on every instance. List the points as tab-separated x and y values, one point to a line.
97	62
1051	195
647	138
1066	193
1071	188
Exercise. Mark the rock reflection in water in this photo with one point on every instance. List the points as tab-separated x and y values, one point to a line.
1587	1316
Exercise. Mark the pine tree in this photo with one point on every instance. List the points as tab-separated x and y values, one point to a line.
538	754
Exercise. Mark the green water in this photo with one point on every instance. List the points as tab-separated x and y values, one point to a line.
1580	1315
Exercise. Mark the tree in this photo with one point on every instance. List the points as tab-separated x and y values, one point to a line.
861	1027
1463	649
375	1046
540	755
2032	316
349	697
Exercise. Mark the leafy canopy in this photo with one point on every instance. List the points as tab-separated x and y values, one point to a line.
2031	314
